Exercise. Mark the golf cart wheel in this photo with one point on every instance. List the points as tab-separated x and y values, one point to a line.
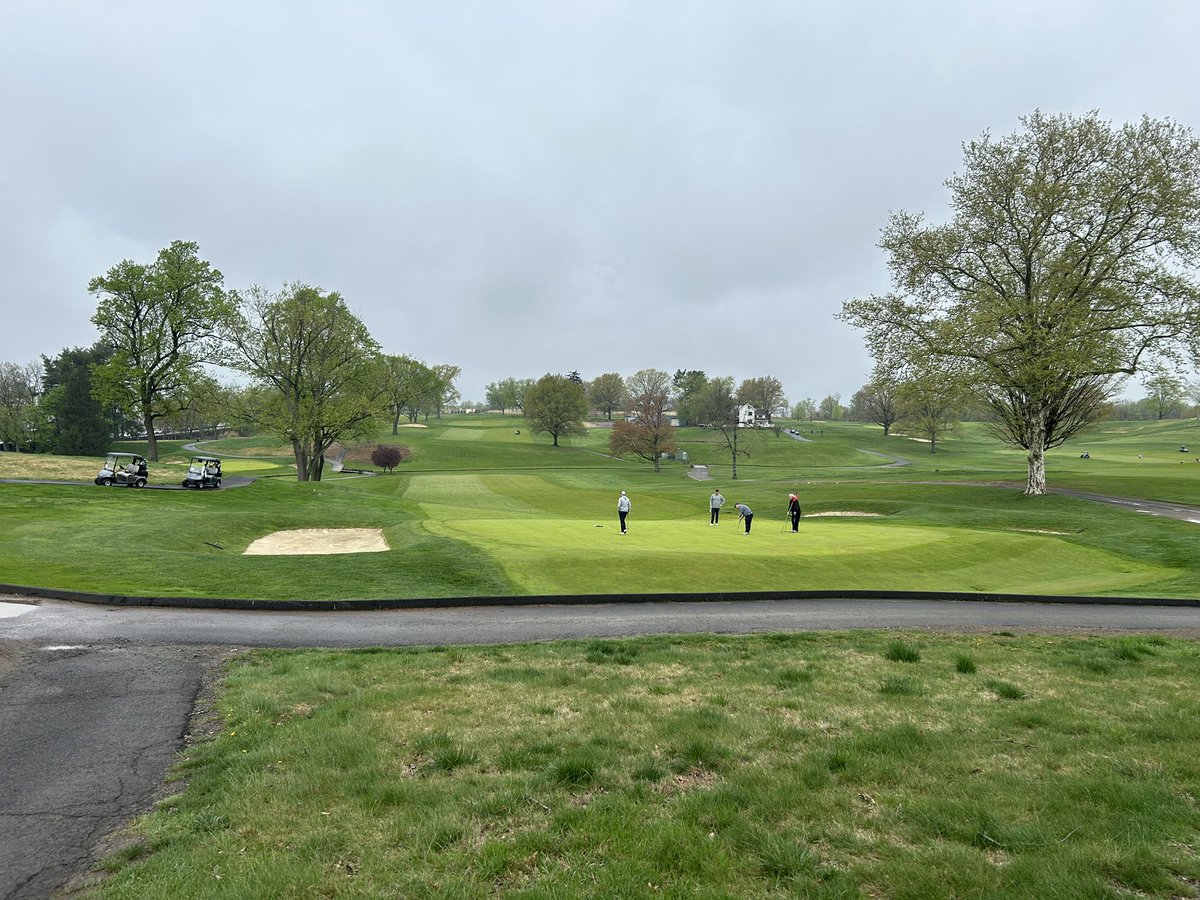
106	482
217	483
139	482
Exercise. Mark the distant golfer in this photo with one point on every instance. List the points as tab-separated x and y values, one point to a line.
623	505
746	513
715	502
794	512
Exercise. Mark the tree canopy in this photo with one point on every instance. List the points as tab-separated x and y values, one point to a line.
161	320
607	392
717	405
650	433
1070	260
556	405
316	365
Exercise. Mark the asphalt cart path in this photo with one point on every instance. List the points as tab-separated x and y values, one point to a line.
87	736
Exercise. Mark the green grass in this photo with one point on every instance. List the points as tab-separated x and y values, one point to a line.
768	766
481	510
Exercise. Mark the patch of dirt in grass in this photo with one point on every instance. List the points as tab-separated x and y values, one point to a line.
692	779
314	541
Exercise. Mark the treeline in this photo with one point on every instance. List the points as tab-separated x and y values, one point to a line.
314	373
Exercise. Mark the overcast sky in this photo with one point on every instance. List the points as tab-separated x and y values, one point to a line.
529	187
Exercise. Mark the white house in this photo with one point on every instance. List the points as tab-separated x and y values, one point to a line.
746	415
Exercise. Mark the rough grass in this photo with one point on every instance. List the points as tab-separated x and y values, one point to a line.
776	766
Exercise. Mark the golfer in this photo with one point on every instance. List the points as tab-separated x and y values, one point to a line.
715	502
794	512
744	512
623	505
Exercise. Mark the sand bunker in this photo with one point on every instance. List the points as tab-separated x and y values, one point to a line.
413	425
319	540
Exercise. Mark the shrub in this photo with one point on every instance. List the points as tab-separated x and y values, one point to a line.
964	665
386	456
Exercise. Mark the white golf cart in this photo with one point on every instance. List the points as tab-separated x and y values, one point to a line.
123	470
203	472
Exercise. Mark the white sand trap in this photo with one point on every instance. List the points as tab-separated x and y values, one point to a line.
1040	531
844	512
413	425
319	541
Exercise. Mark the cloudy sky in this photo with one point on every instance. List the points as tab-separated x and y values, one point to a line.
523	187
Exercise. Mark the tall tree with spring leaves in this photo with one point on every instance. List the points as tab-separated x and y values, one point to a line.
161	320
607	392
1070	261
555	405
764	393
317	366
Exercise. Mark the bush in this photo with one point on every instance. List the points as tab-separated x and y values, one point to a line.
386	456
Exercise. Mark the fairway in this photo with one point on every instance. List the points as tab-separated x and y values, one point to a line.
481	507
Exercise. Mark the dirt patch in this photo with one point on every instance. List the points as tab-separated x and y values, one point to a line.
319	541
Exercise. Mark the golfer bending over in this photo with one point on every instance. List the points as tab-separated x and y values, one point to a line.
745	512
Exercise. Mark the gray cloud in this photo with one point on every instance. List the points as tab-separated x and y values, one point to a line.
528	187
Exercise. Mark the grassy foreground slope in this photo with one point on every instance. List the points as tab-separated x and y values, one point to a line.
480	509
839	765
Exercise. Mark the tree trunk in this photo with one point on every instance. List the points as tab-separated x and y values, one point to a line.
396	423
657	468
151	439
1035	482
301	456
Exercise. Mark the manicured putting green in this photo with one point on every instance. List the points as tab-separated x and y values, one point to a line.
552	556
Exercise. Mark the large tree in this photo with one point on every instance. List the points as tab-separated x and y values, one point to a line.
20	387
1070	261
73	422
717	405
687	385
317	365
408	386
607	392
445	392
648	432
929	407
764	393
877	401
1165	395
555	405
161	320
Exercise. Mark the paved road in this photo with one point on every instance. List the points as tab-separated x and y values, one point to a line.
95	701
86	737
